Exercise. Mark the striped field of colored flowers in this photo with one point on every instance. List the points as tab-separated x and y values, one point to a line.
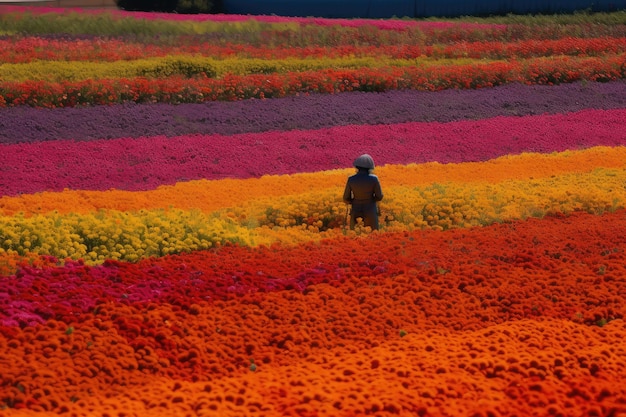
173	240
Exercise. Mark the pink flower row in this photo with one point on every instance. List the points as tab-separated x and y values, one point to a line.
147	162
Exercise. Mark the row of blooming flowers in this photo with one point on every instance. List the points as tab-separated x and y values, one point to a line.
240	331
192	259
177	88
144	163
455	110
418	196
347	59
32	48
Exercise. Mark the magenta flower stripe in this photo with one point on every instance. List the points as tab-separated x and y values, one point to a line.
148	162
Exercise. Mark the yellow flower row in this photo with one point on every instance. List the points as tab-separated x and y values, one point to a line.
445	205
112	234
190	66
133	235
311	215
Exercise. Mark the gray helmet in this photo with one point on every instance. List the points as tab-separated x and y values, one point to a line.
364	161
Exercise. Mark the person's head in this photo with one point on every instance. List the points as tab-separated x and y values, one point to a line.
364	162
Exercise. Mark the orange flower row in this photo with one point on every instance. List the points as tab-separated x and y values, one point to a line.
210	196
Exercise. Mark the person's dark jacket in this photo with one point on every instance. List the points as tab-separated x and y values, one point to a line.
363	192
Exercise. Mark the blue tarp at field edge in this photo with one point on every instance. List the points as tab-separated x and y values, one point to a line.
414	8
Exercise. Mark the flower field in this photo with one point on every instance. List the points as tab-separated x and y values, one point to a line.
173	240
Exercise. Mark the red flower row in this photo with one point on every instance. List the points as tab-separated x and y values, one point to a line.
482	307
233	87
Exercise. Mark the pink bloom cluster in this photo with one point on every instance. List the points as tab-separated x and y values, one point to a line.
145	163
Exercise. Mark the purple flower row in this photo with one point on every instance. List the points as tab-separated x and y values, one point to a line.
28	125
146	163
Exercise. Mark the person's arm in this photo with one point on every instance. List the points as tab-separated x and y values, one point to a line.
378	192
347	194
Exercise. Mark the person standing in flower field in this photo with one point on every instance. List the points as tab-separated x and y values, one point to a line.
363	192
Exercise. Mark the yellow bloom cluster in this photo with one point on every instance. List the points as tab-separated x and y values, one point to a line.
112	234
443	206
190	66
431	196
